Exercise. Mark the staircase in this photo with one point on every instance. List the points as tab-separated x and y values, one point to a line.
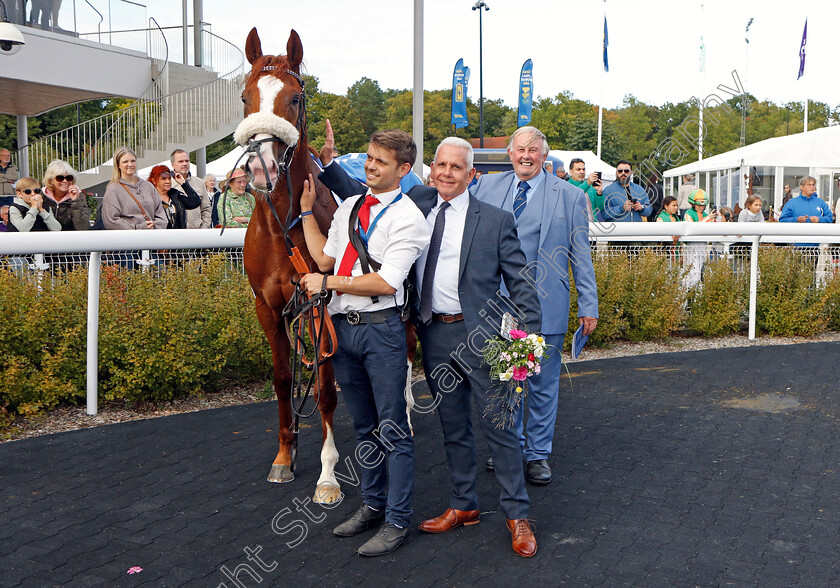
184	107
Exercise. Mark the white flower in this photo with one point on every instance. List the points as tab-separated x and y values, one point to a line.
538	351
504	377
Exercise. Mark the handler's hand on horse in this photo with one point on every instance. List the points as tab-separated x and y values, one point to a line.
307	197
312	283
328	149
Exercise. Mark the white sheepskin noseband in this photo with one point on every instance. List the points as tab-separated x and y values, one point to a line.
266	122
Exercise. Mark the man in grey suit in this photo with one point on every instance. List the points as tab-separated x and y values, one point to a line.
458	280
552	220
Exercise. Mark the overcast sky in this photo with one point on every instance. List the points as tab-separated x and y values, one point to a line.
653	52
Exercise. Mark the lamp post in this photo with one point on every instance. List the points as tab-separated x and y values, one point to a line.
478	6
745	99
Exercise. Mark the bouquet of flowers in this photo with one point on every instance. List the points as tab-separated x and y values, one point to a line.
511	361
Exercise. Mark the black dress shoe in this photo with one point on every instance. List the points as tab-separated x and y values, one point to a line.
488	465
386	540
362	520
537	472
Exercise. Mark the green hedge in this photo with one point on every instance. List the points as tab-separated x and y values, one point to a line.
183	330
162	334
642	297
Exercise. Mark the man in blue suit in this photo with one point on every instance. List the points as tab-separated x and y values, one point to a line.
552	219
458	280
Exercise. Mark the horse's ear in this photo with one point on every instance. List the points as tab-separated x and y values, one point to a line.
294	50
253	47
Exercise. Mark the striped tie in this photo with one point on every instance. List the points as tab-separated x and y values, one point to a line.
520	200
431	265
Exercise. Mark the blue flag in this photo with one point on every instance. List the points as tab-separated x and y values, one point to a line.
802	51
526	95
460	79
606	44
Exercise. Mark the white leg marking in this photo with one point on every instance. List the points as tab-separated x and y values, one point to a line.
409	399
329	459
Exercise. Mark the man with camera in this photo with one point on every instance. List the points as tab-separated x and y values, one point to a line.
591	185
625	201
197	218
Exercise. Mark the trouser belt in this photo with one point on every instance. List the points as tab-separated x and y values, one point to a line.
448	318
354	317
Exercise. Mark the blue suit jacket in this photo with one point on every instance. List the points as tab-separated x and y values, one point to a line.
564	240
490	253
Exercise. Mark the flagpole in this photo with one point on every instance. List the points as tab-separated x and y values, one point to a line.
601	101
702	88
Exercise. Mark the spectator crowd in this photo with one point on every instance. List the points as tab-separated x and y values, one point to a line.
170	197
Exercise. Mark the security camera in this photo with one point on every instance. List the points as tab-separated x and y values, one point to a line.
11	39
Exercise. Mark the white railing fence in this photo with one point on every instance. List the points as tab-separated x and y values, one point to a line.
76	248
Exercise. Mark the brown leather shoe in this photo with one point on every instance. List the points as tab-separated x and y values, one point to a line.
449	520
524	542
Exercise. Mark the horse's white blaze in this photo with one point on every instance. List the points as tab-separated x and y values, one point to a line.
329	459
269	88
265	121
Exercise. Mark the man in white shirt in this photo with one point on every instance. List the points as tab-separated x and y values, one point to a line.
370	362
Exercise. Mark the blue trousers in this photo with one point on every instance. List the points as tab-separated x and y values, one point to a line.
455	388
370	366
536	436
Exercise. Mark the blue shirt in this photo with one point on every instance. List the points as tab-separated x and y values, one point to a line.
813	205
533	183
615	195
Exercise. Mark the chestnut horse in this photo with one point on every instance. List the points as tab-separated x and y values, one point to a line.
274	131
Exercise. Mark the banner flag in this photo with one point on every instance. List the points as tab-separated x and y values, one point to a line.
526	95
460	79
802	51
606	44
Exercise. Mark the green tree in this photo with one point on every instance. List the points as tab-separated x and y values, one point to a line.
367	99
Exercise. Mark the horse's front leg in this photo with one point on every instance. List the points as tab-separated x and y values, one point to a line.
281	467
328	490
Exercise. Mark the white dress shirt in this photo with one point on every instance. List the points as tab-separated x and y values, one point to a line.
399	237
445	298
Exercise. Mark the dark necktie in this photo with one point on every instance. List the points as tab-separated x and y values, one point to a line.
520	199
431	265
350	254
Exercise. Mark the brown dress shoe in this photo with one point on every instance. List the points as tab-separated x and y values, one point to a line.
451	519
524	542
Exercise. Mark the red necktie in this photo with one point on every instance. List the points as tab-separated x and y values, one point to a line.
350	254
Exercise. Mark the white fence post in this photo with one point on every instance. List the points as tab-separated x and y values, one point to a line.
753	284
94	268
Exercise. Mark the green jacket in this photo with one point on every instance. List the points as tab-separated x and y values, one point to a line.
596	199
236	206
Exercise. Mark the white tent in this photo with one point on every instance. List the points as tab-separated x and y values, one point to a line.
771	164
592	161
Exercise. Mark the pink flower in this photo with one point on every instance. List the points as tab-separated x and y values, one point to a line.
517	334
134	570
520	372
537	369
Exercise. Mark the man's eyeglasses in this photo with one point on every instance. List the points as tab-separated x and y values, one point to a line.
623	171
27	191
61	178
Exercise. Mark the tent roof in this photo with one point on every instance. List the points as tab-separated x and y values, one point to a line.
592	161
817	148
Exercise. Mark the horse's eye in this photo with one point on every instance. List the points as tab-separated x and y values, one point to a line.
243	98
296	100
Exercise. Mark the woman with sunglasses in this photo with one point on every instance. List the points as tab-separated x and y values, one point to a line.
27	212
175	203
130	202
63	198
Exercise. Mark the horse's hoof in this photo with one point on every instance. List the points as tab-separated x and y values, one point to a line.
327	493
280	474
